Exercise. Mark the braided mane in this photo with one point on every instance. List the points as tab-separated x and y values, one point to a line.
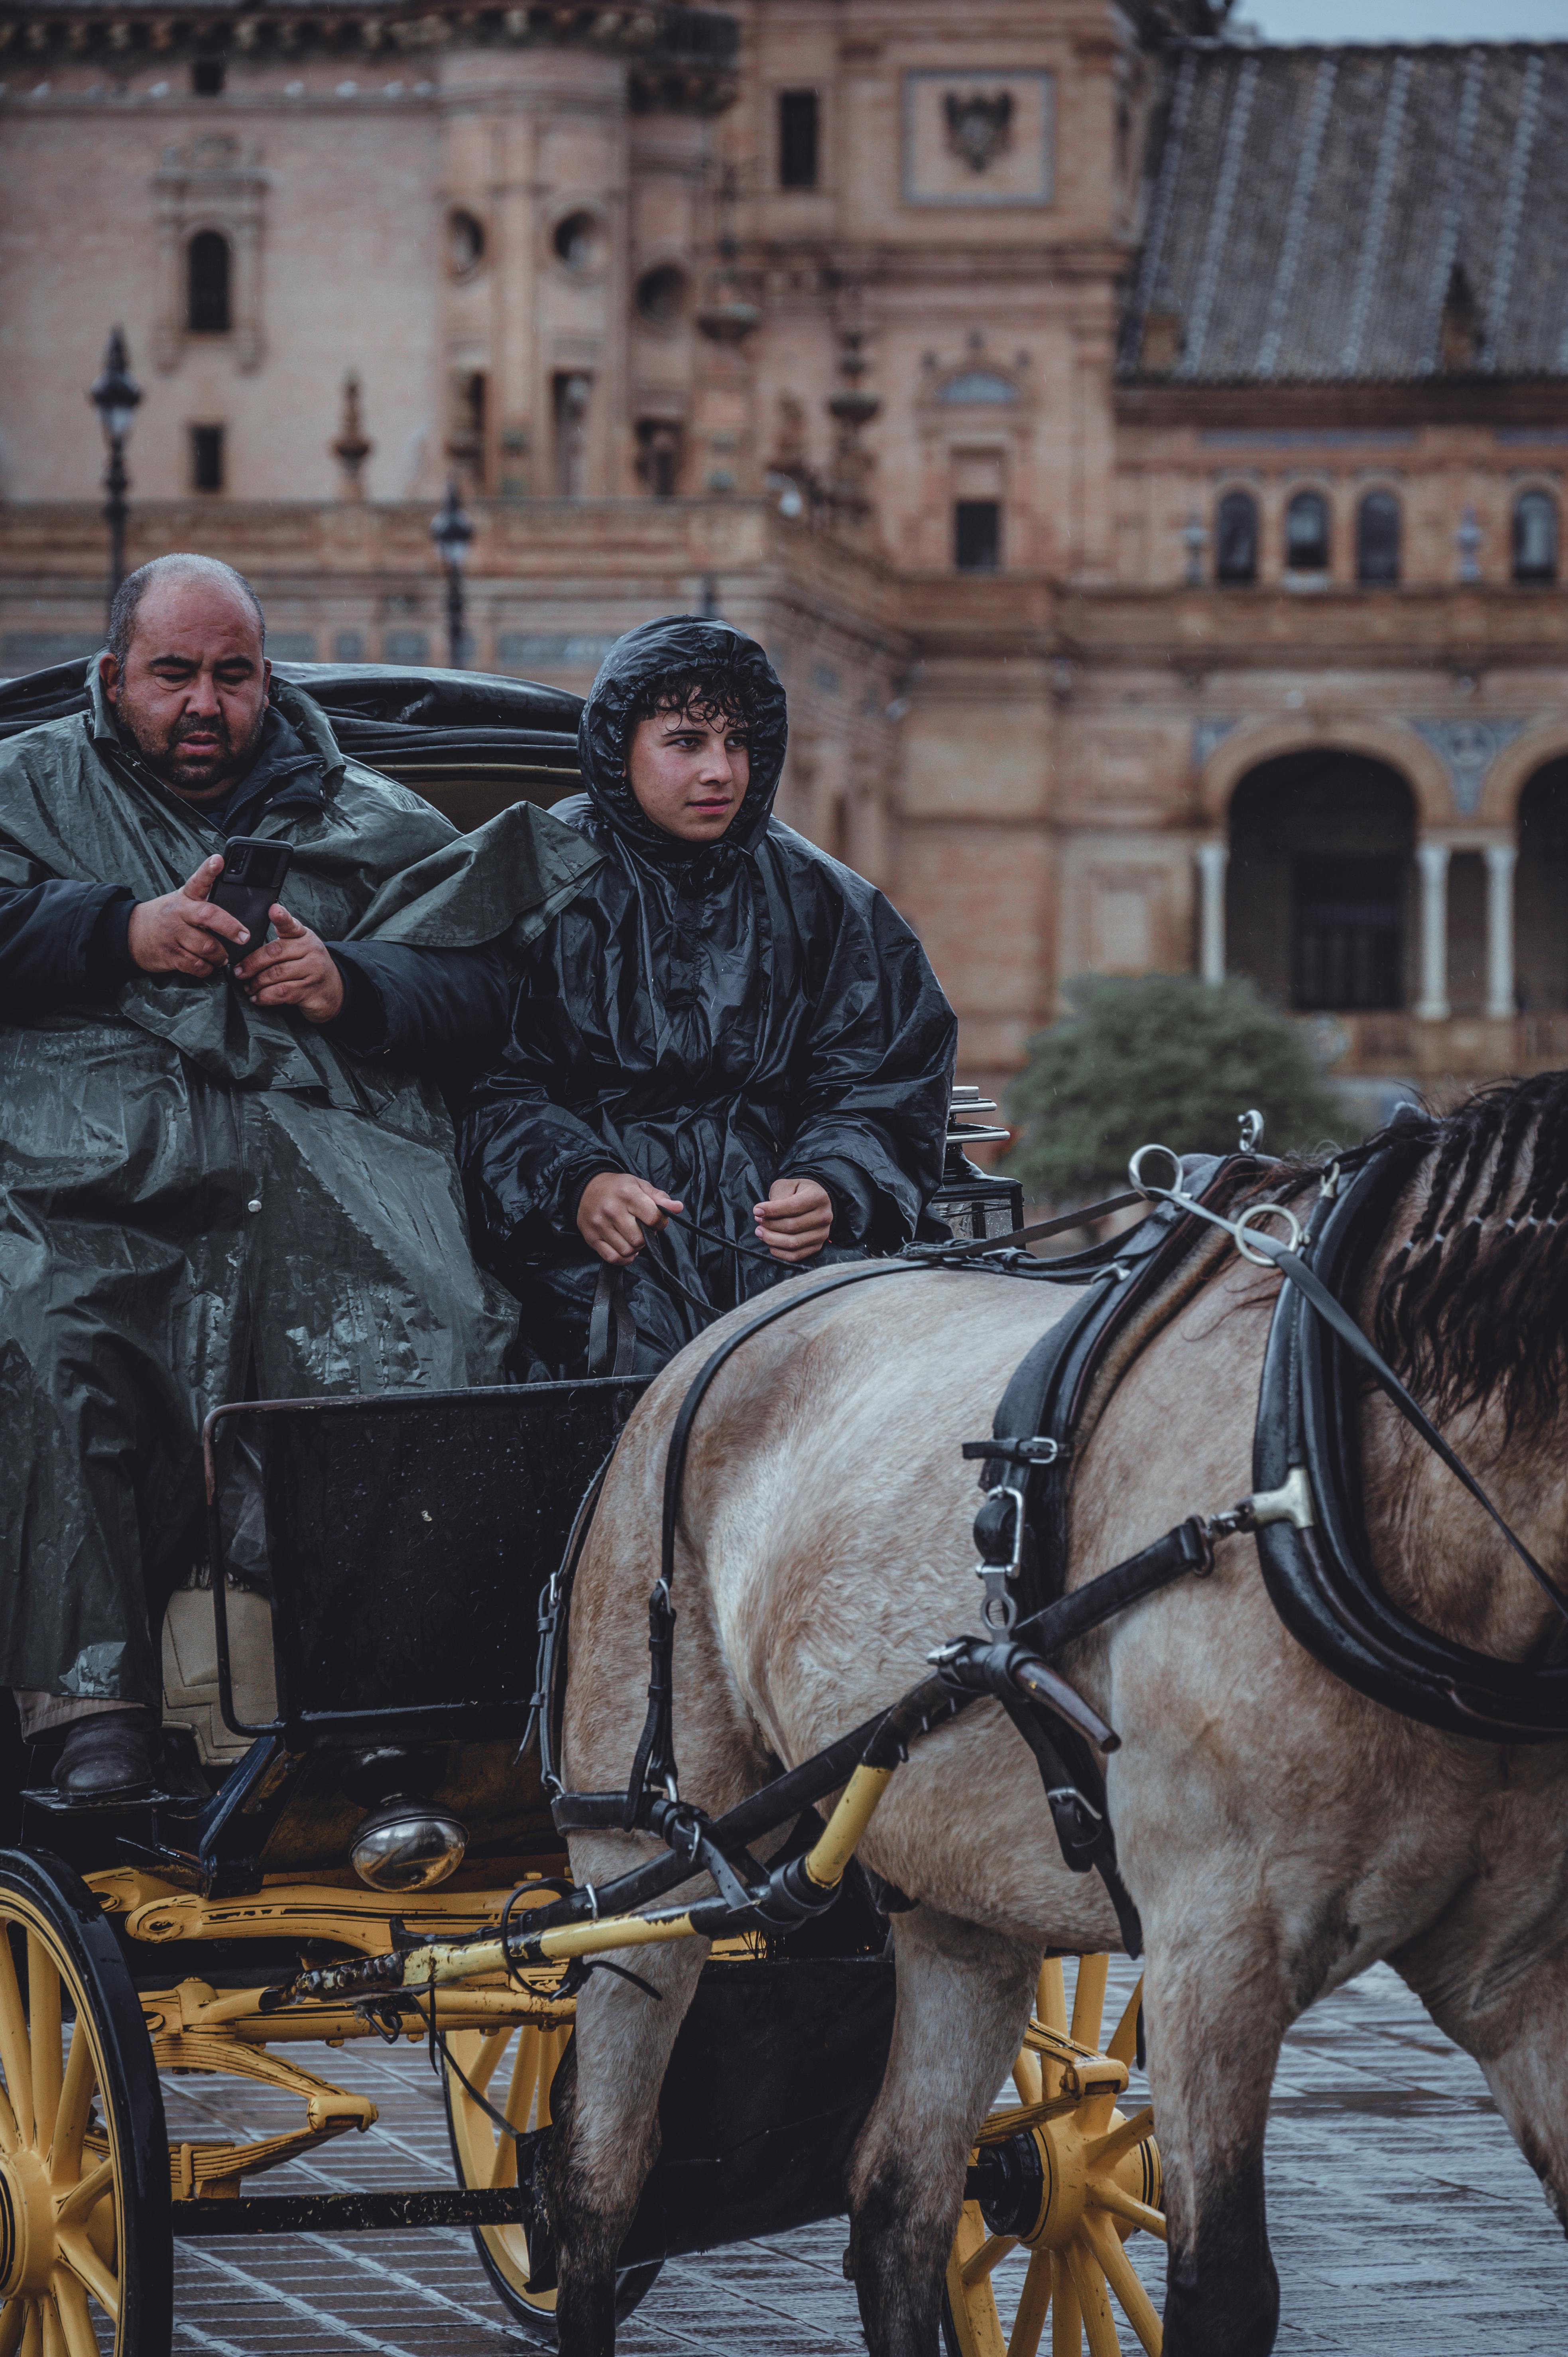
1475	1301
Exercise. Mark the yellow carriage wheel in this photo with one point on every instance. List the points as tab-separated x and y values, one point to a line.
513	2071
86	2255
1068	2178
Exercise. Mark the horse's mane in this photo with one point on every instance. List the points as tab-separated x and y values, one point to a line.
1473	1303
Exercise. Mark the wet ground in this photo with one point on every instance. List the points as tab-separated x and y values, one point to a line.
1403	2221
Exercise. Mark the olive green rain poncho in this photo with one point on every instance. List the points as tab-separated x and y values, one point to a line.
201	1200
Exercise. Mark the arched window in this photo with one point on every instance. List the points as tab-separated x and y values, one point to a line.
207	283
1236	538
1378	538
1306	533
1535	537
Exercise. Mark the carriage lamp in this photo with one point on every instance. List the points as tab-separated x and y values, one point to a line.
970	1199
452	530
115	394
408	1845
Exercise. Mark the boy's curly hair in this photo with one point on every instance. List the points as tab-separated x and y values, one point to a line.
719	694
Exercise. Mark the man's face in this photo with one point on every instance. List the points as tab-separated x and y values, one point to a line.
689	774
192	693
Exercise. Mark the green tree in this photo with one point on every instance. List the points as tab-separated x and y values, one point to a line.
1159	1058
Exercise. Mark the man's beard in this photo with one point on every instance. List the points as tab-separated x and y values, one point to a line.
229	764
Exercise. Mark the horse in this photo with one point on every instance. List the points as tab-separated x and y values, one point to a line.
1278	1831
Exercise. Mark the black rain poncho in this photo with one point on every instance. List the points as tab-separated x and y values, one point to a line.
202	1199
710	1018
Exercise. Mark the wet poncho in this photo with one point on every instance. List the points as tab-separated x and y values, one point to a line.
205	1200
710	1018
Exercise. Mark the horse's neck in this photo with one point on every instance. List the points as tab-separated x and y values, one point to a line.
1435	1550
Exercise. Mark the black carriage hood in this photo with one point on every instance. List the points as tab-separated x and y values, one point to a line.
675	644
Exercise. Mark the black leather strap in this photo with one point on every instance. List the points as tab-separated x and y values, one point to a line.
612	1329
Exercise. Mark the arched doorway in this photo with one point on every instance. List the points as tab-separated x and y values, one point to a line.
1320	882
1540	892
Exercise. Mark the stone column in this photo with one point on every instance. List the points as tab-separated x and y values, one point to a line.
1432	1004
1212	859
1500	862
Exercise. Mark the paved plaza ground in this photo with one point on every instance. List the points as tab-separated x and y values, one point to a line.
1403	2221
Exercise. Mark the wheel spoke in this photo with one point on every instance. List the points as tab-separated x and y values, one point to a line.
80	2256
53	2330
80	2340
75	2104
15	2058
44	2012
1109	2196
1105	2151
1098	2324
488	2052
1089	1998
1122	2279
1036	2298
83	2199
1067	2322
1123	2046
32	2332
1027	2078
13	2319
1050	1997
994	2248
551	2047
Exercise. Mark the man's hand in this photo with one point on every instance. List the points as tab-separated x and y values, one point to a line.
183	933
797	1218
296	970
613	1211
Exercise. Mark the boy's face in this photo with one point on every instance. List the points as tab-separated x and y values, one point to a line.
689	774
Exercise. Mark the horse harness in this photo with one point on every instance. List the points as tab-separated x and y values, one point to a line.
1304	1512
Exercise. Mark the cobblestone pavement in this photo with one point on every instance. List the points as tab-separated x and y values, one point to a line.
1404	2222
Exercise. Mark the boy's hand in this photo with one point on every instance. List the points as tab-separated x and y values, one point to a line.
797	1218
615	1210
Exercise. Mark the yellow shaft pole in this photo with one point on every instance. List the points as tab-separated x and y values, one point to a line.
840	1835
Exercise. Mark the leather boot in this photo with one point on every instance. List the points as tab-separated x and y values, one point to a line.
108	1756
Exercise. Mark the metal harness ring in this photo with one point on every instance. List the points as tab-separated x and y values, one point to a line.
1255	1211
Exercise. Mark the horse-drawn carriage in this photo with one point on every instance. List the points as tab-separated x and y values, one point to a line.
345	1776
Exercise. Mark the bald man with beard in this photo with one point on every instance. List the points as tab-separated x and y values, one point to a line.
217	1180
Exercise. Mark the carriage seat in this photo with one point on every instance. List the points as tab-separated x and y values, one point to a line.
190	1669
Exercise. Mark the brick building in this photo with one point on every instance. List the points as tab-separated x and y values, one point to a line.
1143	452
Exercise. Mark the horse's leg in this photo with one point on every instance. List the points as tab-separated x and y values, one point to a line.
964	2003
1216	2006
606	2122
1497	1984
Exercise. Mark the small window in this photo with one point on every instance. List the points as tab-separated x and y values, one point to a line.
1378	538
1236	538
208	76
661	294
977	535
797	138
579	243
1535	537
658	456
1306	533
206	274
207	457
465	243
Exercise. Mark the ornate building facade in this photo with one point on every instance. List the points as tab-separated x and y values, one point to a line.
1143	452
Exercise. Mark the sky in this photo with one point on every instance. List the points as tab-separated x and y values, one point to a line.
1407	20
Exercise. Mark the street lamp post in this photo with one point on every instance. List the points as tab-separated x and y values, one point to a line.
114	395
452	530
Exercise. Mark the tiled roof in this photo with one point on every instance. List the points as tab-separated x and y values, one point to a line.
1355	214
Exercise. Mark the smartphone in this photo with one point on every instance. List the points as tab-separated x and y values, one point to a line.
254	871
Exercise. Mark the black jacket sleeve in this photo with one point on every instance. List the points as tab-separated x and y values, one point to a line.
438	1010
61	945
875	1104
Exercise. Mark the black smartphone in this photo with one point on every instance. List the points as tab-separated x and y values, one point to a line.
254	871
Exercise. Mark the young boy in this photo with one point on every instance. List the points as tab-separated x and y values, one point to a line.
725	1026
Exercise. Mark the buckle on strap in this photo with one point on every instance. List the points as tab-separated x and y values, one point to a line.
1000	1545
1041	1450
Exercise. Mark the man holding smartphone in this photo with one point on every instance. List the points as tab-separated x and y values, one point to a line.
226	1163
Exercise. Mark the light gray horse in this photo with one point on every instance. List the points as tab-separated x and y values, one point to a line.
1278	1832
